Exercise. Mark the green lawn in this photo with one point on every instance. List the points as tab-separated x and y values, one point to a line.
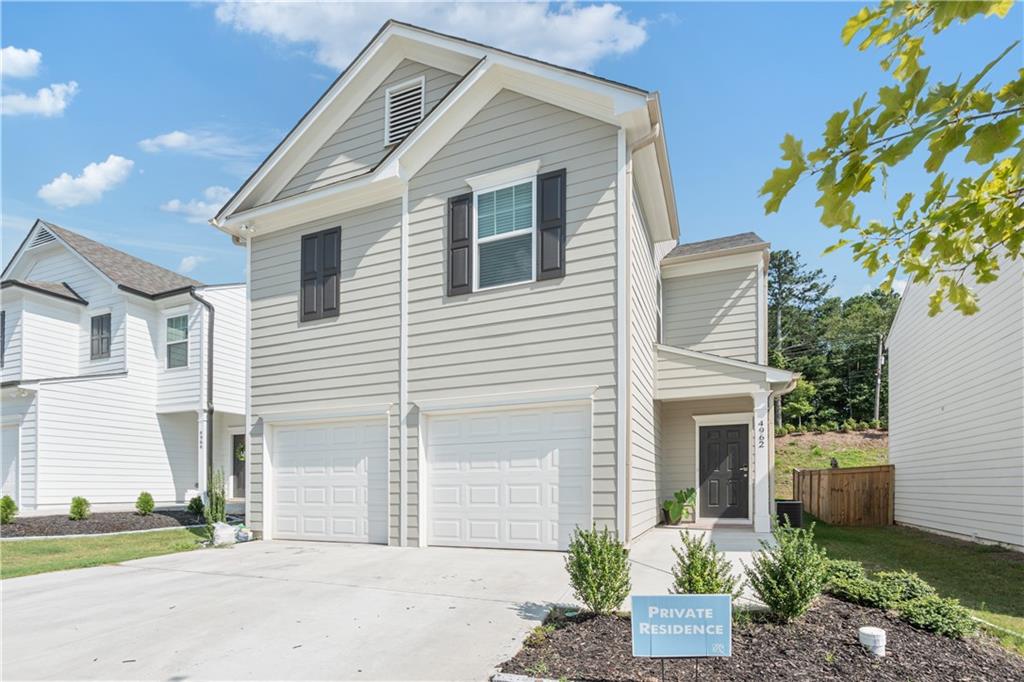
988	580
813	451
27	557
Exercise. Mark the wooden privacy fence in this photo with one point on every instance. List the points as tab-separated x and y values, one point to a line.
859	496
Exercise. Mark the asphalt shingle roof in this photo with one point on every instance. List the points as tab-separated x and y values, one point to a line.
720	244
126	270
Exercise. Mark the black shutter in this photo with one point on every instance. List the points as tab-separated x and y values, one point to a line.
309	281
551	225
330	267
460	245
99	338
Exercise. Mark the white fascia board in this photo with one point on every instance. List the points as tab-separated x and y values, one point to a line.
772	375
647	176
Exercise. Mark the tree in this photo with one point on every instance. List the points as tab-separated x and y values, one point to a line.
958	226
798	402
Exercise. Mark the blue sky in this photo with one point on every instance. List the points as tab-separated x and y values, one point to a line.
174	104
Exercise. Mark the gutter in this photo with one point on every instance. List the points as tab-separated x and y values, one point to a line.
209	385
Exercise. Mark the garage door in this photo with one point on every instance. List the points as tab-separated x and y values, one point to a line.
330	482
511	479
9	461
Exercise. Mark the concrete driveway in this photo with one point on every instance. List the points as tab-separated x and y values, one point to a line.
281	610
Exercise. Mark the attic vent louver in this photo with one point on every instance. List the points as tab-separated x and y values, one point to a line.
43	236
403	110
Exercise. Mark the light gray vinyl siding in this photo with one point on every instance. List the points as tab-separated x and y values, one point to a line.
22	411
956	412
714	312
358	144
645	280
344	362
544	335
228	347
682	378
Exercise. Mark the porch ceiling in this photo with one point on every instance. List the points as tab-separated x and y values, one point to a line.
685	374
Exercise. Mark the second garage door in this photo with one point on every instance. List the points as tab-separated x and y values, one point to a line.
330	481
517	479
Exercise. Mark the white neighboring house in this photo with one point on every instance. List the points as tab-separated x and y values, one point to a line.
106	366
463	331
956	412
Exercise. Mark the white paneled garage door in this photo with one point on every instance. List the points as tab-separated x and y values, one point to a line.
330	481
511	479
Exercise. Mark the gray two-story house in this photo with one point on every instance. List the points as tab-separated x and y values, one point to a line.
471	323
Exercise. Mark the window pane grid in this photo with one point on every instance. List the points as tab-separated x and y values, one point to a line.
509	209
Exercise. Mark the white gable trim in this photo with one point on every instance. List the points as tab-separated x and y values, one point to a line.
39	224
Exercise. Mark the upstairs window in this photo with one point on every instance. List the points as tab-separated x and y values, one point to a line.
403	110
177	341
99	337
505	235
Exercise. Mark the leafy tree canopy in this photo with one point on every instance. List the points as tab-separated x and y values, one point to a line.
957	225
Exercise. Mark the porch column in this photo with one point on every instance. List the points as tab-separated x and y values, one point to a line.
201	481
763	503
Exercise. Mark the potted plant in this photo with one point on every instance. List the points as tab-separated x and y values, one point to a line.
680	508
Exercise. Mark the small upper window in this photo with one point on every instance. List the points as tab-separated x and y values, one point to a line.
403	110
177	341
505	235
99	337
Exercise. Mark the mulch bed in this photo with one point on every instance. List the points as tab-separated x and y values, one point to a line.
98	522
820	646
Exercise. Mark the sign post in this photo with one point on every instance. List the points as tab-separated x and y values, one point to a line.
682	626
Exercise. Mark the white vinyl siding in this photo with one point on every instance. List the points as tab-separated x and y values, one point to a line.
645	322
358	145
544	335
714	312
51	333
12	307
180	386
684	378
19	414
956	412
228	347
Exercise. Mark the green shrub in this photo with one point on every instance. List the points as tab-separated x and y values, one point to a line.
215	511
842	569
863	591
831	426
876	423
79	509
780	431
935	614
701	569
789	428
903	585
144	504
196	506
788	576
8	509
598	567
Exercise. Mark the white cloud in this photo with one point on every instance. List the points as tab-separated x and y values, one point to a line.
190	263
566	34
203	143
199	210
51	101
65	191
18	63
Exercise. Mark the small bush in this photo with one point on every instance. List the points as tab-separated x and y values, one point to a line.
701	569
876	423
598	567
863	591
539	634
903	585
789	575
831	426
935	614
79	509
780	431
841	569
144	504
215	512
8	509
196	506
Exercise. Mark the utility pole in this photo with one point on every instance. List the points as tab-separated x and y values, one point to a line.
878	376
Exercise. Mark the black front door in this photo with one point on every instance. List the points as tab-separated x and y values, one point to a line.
238	466
724	471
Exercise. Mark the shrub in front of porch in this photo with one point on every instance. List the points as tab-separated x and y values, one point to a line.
701	569
598	567
789	574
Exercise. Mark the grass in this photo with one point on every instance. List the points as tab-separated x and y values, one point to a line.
28	557
811	452
987	580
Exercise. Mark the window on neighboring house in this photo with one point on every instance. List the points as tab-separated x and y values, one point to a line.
403	110
177	341
319	284
99	337
505	235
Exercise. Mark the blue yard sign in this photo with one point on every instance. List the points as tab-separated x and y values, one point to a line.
682	625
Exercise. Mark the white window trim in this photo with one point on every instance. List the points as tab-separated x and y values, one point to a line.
188	338
532	230
421	81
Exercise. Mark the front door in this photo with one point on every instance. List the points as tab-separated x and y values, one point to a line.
238	463
724	471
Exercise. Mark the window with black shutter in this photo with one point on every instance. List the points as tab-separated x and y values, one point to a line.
320	269
99	338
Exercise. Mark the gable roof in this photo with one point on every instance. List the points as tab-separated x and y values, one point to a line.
124	270
744	241
58	289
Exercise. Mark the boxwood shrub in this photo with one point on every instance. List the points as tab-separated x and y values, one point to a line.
145	505
844	569
598	567
79	509
903	585
935	614
8	509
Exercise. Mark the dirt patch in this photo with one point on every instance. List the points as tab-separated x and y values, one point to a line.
98	522
820	646
834	440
